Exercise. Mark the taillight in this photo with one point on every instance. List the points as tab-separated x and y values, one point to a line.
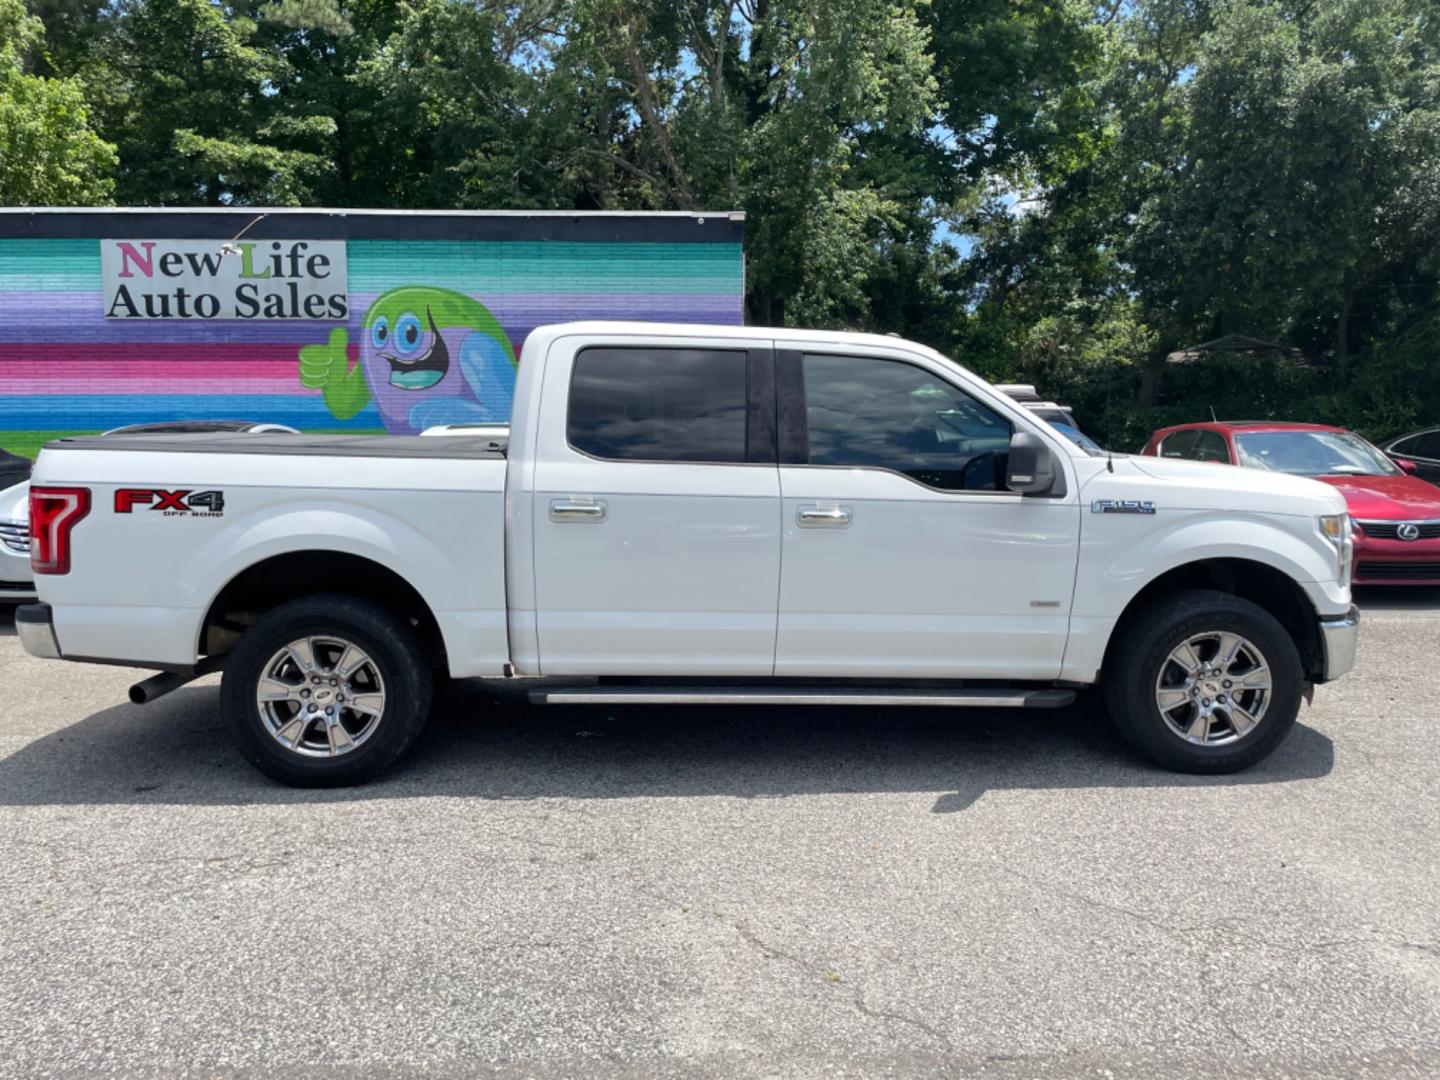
54	511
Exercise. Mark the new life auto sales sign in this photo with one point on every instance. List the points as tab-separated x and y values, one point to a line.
212	279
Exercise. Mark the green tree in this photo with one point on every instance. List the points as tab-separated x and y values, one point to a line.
814	118
1256	168
1295	182
74	30
192	104
325	54
449	114
1014	79
49	153
1055	189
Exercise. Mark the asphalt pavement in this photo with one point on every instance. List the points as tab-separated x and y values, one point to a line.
714	892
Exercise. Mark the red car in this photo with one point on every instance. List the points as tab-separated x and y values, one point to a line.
1396	515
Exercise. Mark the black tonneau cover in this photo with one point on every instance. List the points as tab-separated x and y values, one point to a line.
238	442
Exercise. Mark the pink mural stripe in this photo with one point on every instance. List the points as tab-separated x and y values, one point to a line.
180	354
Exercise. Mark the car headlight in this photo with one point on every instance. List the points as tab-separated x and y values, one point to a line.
1337	529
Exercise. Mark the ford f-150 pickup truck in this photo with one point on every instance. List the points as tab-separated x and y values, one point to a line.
695	514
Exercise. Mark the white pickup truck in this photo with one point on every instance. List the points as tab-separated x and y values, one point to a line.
696	514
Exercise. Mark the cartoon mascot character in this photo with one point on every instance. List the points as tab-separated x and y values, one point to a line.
427	356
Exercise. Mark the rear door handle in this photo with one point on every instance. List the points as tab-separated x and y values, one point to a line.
563	510
823	517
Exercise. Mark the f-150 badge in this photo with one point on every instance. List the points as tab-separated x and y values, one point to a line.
1122	506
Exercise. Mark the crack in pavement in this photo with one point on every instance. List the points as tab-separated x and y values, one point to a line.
828	975
1215	992
824	974
1217	929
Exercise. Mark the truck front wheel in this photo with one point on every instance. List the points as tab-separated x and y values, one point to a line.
326	691
1204	682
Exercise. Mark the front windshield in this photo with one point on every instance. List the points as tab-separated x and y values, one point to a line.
1312	453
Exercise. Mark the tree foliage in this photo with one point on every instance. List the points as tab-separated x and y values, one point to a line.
1060	190
1267	169
49	153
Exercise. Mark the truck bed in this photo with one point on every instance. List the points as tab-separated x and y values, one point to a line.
468	447
204	508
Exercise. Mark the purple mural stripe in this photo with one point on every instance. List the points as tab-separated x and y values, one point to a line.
111	383
63	328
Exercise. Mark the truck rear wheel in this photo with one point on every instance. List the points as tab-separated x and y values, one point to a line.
1204	682
326	691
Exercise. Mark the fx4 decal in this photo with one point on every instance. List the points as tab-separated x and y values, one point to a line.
1122	506
170	503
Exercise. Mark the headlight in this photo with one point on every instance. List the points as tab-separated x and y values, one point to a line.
1336	529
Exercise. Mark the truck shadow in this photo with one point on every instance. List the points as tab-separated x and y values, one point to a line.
176	751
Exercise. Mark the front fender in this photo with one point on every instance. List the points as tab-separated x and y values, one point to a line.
1120	557
1126	568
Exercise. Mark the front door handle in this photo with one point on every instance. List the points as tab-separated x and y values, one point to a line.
823	517
563	510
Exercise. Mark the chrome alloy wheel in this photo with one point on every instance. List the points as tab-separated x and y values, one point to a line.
321	696
1213	688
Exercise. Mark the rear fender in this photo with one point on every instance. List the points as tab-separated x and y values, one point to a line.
462	588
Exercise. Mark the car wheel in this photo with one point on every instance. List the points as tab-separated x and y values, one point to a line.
326	691
1204	682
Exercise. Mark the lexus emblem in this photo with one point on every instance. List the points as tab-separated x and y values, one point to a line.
1408	532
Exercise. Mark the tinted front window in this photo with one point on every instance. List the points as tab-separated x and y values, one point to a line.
1425	446
891	415
659	404
1312	453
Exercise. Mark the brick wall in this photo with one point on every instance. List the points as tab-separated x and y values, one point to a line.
65	367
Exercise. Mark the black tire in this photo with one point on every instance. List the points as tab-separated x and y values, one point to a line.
405	674
1139	654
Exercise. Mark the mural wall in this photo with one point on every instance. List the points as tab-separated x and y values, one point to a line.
425	329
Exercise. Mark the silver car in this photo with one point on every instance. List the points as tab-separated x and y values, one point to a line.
16	582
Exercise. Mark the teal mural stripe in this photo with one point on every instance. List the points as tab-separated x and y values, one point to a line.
42	265
678	269
375	265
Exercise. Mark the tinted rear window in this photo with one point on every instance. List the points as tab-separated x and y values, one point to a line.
1179	444
1210	446
631	404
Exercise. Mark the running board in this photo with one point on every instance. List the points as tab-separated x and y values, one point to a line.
739	695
